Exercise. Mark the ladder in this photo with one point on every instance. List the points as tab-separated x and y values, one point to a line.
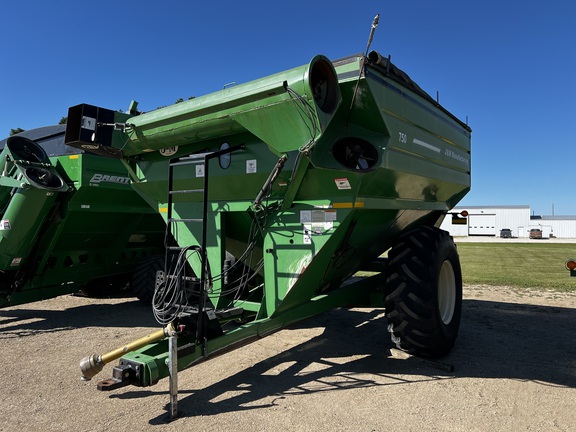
177	251
174	249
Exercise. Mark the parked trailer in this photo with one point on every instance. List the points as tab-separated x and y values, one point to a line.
69	221
275	194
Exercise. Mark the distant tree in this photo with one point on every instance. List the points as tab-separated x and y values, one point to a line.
63	120
16	131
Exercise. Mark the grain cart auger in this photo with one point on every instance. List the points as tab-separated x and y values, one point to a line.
276	192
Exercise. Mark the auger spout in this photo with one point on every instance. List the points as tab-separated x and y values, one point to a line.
305	97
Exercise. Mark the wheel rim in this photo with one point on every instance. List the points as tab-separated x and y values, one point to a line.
446	292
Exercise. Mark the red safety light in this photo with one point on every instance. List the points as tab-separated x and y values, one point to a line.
464	213
571	264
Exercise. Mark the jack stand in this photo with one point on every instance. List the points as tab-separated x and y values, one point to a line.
173	370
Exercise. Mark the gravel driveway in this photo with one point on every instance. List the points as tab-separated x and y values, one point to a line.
514	370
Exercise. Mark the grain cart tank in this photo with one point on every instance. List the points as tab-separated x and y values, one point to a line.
69	220
276	192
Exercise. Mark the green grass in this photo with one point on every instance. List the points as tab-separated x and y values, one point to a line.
527	265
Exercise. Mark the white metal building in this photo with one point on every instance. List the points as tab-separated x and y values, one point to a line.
489	220
558	226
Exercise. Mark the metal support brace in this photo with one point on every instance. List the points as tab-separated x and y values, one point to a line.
173	371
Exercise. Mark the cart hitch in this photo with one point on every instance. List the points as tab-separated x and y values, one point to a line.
122	376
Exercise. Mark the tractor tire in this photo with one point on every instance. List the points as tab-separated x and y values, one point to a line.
423	293
144	278
106	287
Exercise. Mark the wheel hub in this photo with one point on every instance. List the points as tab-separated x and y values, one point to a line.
446	292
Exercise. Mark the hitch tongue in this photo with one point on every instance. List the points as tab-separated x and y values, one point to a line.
90	366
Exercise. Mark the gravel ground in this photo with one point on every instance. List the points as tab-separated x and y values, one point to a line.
514	369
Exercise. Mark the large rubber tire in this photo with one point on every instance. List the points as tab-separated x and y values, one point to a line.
423	294
107	286
144	277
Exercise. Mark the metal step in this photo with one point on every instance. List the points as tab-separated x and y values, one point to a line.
184	220
185	191
190	160
175	248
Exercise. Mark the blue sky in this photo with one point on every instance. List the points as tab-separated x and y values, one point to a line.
510	67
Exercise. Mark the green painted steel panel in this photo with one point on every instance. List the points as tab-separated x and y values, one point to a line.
58	241
365	157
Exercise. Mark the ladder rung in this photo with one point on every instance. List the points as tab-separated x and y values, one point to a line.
185	191
184	220
189	161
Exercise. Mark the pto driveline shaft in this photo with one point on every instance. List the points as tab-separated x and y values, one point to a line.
92	365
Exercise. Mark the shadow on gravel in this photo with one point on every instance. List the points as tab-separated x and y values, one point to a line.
30	321
517	341
497	340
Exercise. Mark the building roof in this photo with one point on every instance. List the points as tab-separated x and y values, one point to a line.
563	217
493	207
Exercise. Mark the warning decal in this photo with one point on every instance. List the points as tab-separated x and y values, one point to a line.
316	222
342	183
251	166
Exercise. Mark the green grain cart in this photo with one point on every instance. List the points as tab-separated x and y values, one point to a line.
69	221
275	193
